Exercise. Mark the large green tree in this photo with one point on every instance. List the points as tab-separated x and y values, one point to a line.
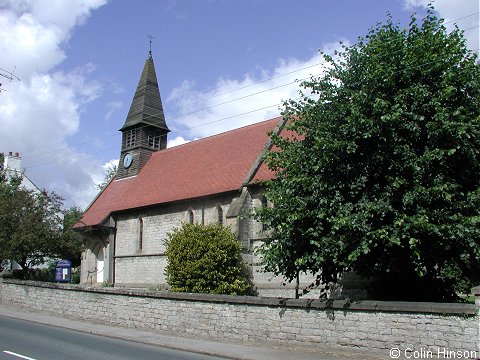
32	228
380	171
71	241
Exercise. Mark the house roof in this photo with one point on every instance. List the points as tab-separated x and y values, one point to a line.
212	165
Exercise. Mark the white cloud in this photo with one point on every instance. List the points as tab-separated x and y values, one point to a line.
110	164
232	103
412	4
41	110
464	13
112	106
34	30
179	140
99	174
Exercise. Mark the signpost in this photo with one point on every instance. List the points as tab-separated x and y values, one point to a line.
63	271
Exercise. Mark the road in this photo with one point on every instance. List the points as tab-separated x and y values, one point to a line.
21	339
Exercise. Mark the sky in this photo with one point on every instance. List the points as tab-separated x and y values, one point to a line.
220	64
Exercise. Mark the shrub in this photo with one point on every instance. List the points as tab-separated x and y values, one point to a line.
205	259
44	274
76	276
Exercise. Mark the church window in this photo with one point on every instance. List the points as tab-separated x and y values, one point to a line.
220	215
153	139
140	234
264	205
130	138
190	217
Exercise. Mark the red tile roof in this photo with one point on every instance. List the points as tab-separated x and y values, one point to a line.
204	167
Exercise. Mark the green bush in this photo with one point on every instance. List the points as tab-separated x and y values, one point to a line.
44	274
205	259
76	276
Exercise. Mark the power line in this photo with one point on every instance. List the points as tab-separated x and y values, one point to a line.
462	18
253	84
224	93
237	115
179	116
58	161
276	87
214	121
236	99
294	71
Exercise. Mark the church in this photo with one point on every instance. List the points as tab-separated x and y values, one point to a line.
217	179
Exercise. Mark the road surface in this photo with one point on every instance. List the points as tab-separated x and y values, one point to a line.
26	340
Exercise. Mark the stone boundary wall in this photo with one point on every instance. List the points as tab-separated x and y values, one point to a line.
370	326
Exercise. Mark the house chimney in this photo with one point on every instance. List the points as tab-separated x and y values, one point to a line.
13	162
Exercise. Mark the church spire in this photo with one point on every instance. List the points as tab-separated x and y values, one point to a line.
146	107
145	130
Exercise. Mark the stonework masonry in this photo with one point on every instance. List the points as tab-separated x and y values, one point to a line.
369	326
143	264
135	256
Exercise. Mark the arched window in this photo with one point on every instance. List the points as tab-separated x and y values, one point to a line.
264	205
140	234
219	215
190	217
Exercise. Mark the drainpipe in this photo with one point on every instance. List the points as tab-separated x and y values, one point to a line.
114	258
297	285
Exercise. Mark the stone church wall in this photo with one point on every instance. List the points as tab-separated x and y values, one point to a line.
89	271
144	267
142	271
88	266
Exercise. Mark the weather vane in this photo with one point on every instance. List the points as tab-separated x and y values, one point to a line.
150	41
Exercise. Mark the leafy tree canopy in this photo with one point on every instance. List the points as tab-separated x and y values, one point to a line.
32	228
383	175
205	259
109	175
71	244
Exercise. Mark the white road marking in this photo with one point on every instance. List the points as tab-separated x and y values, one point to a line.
18	355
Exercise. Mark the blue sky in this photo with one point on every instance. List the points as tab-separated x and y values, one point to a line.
79	62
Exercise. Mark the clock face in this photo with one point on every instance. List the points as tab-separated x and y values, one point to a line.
127	160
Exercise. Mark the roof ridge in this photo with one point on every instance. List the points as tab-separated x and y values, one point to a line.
278	118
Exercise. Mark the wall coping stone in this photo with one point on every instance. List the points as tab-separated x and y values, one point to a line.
307	304
6	274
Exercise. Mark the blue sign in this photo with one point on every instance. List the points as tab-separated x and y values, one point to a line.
63	271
